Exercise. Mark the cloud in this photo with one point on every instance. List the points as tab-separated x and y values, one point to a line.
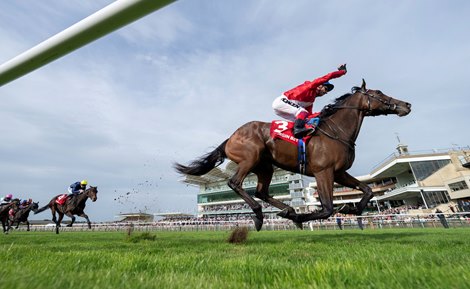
171	86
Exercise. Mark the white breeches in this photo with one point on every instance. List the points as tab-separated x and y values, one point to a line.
286	108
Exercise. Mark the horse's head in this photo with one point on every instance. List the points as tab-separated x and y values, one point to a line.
377	103
92	193
15	203
34	206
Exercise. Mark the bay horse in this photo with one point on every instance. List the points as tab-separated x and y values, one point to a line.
21	215
73	206
4	210
330	153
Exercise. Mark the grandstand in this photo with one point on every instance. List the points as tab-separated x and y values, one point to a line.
415	182
135	217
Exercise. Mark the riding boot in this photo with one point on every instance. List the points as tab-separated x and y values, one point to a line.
300	130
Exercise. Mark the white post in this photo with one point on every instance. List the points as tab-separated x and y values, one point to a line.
106	20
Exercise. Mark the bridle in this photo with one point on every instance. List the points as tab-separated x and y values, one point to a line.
367	111
390	106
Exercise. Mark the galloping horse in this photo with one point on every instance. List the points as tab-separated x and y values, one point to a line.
21	215
330	153
4	210
73	206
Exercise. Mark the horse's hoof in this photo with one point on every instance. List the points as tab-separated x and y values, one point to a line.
287	213
69	225
258	223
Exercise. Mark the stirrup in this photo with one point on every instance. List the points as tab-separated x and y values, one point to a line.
303	133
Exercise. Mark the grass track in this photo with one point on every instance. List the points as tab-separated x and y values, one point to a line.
395	258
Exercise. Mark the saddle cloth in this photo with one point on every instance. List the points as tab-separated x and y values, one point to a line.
61	199
283	129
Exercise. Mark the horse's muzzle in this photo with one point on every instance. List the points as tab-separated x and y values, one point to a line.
403	110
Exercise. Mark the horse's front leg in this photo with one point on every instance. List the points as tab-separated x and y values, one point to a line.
27	225
4	225
83	215
345	179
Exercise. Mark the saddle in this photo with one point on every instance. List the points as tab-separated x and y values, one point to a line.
282	129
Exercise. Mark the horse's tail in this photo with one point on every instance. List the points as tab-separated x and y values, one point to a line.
205	163
41	209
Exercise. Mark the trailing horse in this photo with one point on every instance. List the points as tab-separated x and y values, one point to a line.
21	215
330	153
4	210
73	206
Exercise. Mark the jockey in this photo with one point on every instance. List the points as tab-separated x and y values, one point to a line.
6	200
24	204
77	188
296	104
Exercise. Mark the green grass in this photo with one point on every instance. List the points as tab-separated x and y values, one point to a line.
393	258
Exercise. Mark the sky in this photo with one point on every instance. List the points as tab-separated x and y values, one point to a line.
176	83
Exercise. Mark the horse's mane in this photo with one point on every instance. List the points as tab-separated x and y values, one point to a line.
331	108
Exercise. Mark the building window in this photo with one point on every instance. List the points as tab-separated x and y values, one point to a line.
435	198
458	186
424	169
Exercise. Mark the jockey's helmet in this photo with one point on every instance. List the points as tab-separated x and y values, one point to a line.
9	196
84	183
328	86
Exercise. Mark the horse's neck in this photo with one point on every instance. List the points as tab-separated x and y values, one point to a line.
82	197
347	123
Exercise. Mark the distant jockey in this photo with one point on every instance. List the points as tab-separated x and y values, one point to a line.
24	204
6	200
296	104
77	188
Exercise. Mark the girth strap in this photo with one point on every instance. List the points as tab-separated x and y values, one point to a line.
301	156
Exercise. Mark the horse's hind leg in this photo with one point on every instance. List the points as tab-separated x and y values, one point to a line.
235	183
27	225
265	174
59	221
325	192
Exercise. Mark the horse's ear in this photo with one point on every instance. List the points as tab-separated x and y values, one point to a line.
363	86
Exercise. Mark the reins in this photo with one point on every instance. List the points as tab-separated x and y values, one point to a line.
367	111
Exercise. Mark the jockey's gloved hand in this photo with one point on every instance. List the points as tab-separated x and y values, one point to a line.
343	67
